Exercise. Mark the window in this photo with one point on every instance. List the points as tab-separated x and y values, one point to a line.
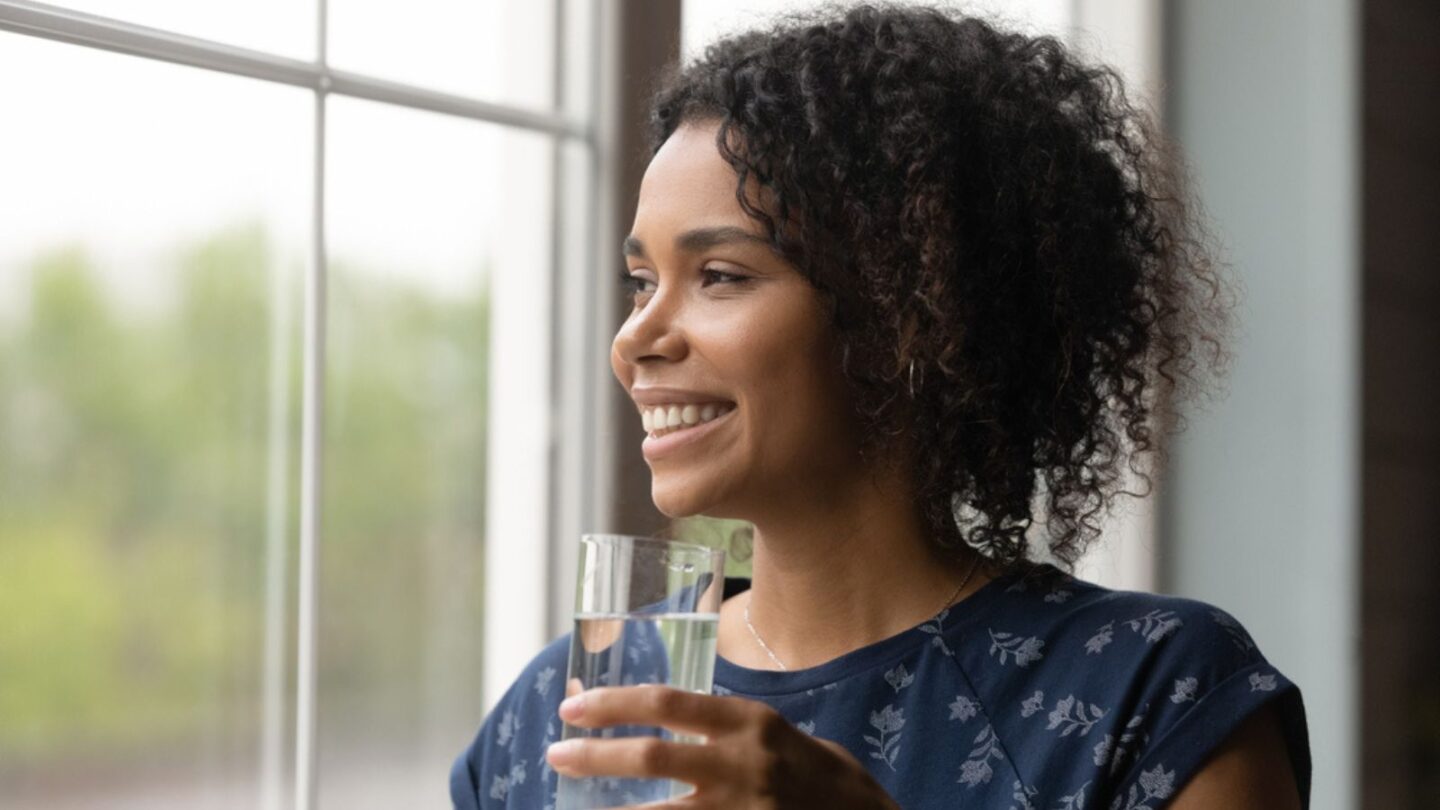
255	475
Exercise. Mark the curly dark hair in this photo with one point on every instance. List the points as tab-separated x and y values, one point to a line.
1019	287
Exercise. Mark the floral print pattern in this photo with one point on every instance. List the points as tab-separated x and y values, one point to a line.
1073	715
976	769
1032	704
1114	752
1025	650
963	708
935	629
543	679
1185	690
1156	625
887	721
1046	693
1024	796
1102	637
898	678
1154	785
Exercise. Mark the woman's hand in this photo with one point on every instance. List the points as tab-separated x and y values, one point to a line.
752	758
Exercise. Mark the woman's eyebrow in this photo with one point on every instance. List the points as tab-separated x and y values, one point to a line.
698	240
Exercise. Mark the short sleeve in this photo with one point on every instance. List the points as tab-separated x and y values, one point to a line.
1208	678
504	766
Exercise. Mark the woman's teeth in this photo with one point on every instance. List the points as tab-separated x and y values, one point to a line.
662	419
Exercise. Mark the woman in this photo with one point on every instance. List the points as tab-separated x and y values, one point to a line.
925	285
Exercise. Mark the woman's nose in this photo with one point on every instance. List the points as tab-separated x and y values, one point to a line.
652	332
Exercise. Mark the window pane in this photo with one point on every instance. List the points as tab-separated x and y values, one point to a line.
285	27
425	211
497	50
579	59
154	235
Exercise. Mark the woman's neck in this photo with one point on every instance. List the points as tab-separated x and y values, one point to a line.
855	569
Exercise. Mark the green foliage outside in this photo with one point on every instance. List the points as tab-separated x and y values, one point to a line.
734	536
134	479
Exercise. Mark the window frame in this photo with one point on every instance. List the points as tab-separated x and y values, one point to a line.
522	608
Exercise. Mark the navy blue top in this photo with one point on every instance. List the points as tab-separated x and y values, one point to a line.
1037	692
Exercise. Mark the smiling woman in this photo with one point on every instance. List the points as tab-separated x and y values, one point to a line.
896	276
720	317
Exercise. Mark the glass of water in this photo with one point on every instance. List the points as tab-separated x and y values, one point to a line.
646	611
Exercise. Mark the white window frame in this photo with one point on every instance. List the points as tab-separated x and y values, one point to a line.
563	481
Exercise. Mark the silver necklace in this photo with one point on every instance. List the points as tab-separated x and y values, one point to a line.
776	659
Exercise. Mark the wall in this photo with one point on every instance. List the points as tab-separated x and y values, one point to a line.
1260	513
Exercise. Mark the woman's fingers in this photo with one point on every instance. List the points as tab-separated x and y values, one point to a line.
654	705
636	757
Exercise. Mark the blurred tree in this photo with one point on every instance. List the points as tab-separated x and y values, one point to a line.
134	455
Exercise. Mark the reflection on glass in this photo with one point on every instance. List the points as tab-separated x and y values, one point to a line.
416	209
148	291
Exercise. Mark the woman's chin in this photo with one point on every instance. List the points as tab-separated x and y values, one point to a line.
679	501
675	507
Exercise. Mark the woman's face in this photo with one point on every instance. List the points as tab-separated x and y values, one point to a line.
724	328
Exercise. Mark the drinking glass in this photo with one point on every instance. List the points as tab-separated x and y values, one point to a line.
646	611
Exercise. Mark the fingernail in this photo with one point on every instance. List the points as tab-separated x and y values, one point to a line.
572	707
561	753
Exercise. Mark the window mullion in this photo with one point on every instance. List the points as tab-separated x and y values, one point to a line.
311	463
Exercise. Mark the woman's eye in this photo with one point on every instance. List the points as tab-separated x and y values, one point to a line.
633	285
711	275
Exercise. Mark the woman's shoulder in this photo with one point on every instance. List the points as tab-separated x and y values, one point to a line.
1051	632
1151	683
504	765
1077	618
